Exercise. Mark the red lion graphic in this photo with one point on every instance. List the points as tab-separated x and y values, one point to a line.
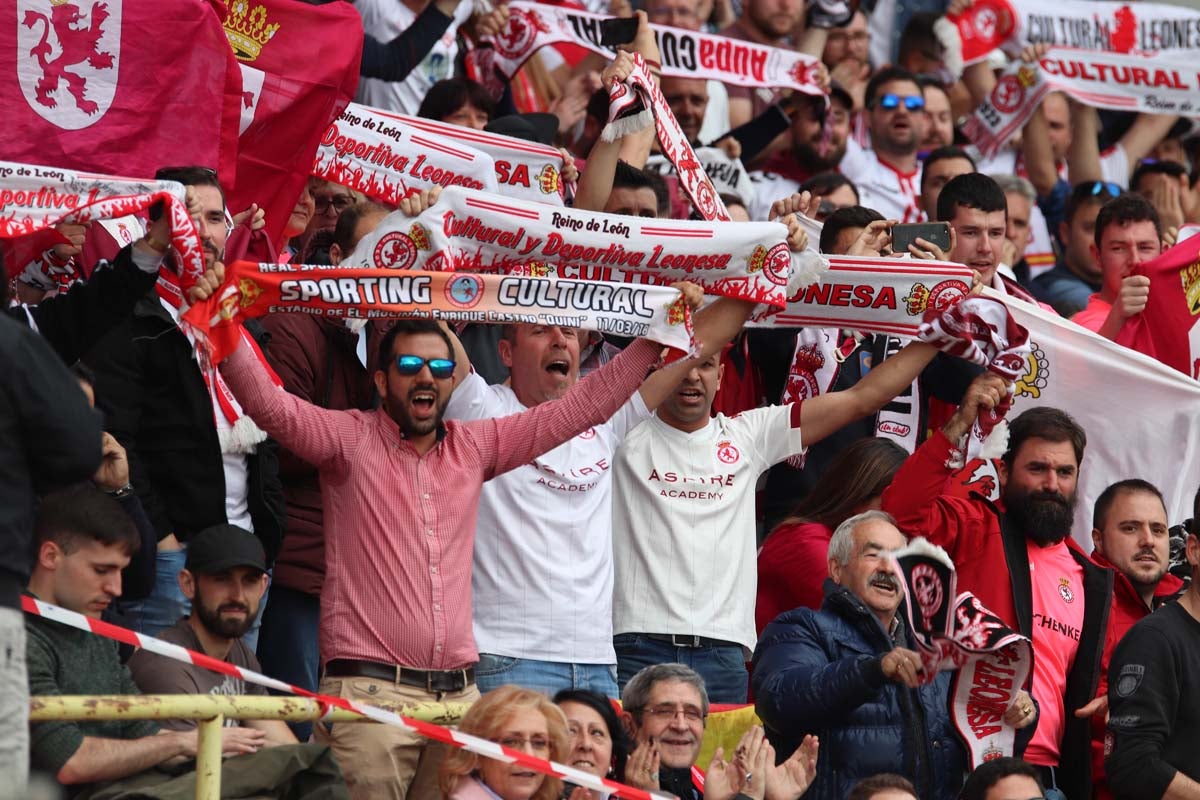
78	44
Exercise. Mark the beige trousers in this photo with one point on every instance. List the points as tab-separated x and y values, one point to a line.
381	762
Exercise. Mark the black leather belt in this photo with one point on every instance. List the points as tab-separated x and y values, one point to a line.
683	640
430	680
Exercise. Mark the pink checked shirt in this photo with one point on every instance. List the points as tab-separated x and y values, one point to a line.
400	527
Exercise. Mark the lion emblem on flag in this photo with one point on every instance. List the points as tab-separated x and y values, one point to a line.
73	51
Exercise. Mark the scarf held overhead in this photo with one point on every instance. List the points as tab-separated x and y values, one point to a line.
36	198
685	54
477	232
655	312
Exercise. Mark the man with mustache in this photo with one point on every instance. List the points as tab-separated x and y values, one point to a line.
849	675
225	578
1018	557
1131	535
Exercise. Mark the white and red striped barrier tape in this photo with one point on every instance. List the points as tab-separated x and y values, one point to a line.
429	730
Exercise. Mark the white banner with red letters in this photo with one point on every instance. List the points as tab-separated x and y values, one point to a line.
1159	83
1114	27
685	54
35	198
478	232
526	170
387	160
880	295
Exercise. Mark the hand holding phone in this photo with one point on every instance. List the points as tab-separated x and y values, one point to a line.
618	30
936	233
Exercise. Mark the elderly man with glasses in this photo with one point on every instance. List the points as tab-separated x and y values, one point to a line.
666	708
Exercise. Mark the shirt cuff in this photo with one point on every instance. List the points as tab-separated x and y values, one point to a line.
146	262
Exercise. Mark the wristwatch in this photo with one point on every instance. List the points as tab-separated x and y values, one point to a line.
124	491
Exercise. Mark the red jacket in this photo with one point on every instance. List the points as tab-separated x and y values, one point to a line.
792	567
992	562
1127	608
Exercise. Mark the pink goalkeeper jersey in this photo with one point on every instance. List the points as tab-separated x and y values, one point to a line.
1057	581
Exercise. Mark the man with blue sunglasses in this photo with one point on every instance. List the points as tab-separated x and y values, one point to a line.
888	175
402	489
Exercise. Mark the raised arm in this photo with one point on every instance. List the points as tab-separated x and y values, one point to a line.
315	434
826	413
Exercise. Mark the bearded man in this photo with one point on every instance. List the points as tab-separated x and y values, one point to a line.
1018	557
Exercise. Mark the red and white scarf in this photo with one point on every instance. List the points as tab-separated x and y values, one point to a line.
685	54
36	198
388	156
956	632
982	331
241	434
637	102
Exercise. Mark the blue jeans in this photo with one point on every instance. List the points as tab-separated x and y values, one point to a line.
723	668
287	643
549	677
166	605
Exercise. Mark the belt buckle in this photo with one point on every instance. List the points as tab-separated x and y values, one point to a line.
679	640
429	681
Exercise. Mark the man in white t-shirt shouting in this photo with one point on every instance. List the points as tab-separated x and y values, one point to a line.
543	567
684	522
888	176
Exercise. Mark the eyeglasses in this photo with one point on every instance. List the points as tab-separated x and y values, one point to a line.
690	713
890	102
535	744
1111	189
411	365
339	202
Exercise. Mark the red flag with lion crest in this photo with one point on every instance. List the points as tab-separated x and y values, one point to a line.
118	86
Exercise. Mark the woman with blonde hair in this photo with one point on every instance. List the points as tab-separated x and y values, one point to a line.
519	719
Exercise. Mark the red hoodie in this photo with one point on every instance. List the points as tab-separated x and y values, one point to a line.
1127	608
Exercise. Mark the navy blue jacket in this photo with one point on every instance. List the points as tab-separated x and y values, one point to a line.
819	672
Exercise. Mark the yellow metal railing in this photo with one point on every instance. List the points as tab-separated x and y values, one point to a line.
210	713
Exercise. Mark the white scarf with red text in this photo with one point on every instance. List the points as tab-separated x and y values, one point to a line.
636	103
388	156
685	54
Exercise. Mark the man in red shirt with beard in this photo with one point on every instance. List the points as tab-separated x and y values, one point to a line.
1019	559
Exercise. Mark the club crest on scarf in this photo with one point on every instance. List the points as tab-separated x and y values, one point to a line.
68	58
958	633
941	296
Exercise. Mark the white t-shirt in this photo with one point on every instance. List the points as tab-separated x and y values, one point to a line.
543	573
387	19
683	523
769	187
716	113
1114	165
881	187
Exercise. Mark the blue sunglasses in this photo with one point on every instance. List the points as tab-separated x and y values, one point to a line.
411	365
1104	186
890	102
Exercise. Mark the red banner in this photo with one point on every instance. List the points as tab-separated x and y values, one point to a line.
299	71
1167	330
118	86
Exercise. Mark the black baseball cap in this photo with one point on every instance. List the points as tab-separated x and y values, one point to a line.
221	547
533	127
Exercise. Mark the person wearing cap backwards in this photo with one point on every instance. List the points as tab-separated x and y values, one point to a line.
224	578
